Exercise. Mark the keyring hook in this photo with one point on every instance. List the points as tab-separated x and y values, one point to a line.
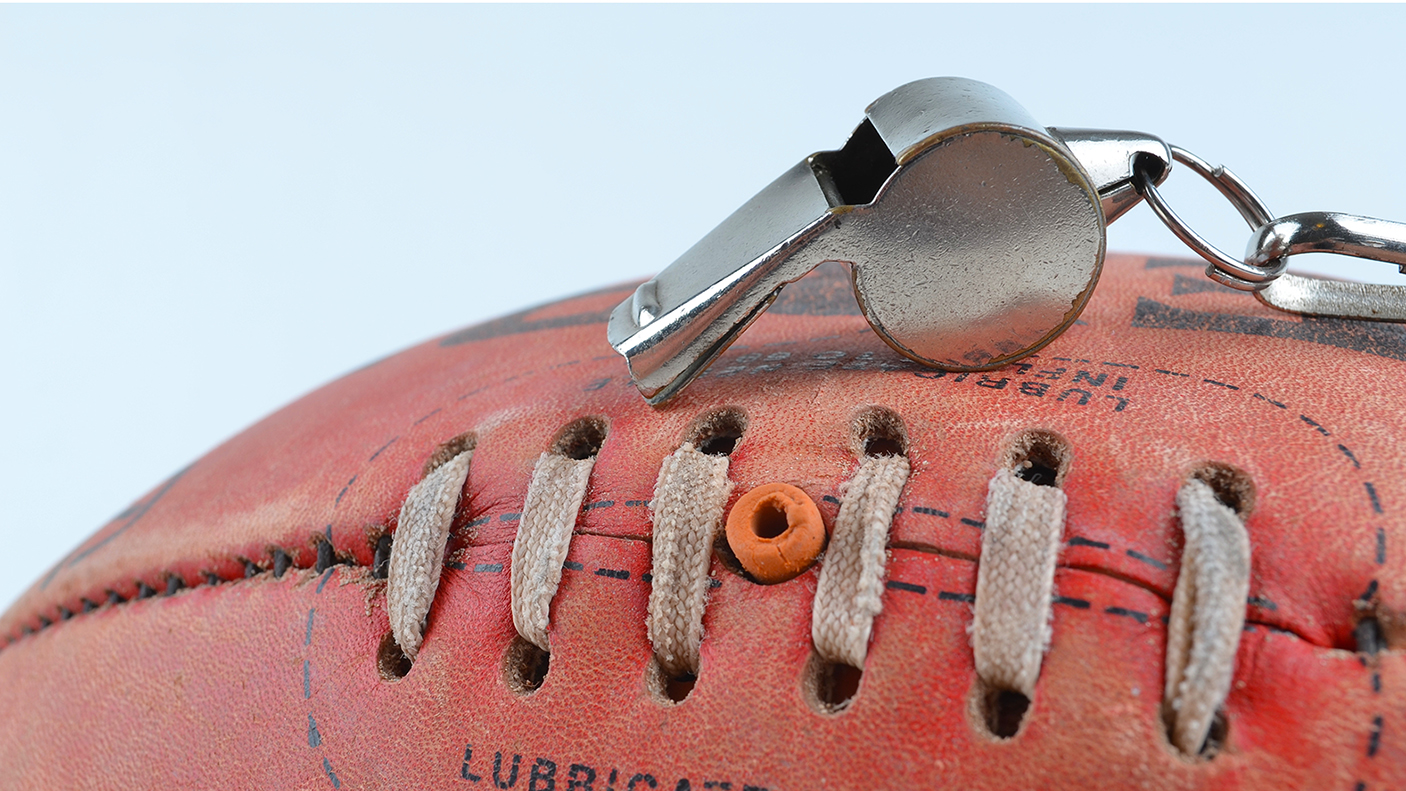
1223	268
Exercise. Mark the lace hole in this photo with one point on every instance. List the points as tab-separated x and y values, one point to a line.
879	431
666	689
831	686
448	450
525	666
1040	457
1232	487
717	433
581	439
1216	736
1000	711
391	662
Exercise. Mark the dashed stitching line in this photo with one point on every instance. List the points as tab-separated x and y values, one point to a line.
315	739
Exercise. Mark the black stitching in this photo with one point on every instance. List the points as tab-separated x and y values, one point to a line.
173	584
896	585
343	492
325	558
619	574
382	449
1076	541
969	598
1154	562
1315	424
1271	401
1372	495
1140	617
1261	602
1079	604
381	560
918	509
1370	592
281	562
145	591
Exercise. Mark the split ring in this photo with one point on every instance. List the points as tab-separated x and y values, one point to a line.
1223	269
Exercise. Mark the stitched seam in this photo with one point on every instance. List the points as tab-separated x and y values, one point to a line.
351	562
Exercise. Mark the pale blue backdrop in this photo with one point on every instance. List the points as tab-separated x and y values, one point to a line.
207	211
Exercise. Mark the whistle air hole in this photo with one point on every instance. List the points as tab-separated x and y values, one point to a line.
854	174
1149	164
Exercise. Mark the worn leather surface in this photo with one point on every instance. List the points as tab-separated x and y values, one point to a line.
273	682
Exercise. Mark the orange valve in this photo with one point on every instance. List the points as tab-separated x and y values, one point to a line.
775	531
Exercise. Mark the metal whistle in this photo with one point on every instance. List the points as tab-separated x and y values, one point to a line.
974	235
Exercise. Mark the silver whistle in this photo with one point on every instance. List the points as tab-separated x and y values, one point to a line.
974	235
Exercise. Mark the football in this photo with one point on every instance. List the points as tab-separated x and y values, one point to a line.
1166	551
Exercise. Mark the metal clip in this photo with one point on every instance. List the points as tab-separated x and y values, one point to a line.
1331	232
974	235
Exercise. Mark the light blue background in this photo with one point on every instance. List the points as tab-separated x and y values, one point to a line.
208	211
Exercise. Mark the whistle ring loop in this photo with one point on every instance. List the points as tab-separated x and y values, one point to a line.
1223	268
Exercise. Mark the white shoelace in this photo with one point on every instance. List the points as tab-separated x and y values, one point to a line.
543	538
689	497
1015	578
417	553
1015	581
850	591
1208	614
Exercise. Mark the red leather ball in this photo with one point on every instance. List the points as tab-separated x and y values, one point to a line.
229	628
